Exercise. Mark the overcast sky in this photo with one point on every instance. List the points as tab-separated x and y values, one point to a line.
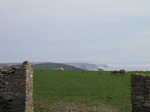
96	31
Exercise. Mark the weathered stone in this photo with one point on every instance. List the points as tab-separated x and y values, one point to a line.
147	82
140	93
147	104
138	90
137	79
137	109
137	103
139	97
146	110
16	90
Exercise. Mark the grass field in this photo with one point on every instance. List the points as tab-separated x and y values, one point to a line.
77	91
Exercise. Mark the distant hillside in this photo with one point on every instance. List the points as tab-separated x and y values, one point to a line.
56	66
53	66
8	65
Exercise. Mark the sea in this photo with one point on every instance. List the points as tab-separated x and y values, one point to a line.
128	67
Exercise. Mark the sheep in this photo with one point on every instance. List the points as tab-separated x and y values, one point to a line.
100	69
61	69
122	71
114	72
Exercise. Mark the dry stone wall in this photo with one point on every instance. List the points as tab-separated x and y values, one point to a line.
140	92
16	89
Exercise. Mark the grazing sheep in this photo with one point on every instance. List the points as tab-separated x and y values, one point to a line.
61	69
114	72
100	69
122	71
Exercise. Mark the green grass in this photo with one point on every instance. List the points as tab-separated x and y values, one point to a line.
56	90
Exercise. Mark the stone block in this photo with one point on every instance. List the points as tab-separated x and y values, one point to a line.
140	93
16	90
146	110
137	79
137	109
147	105
138	90
147	82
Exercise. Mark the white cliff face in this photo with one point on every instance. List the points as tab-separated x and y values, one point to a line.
85	66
